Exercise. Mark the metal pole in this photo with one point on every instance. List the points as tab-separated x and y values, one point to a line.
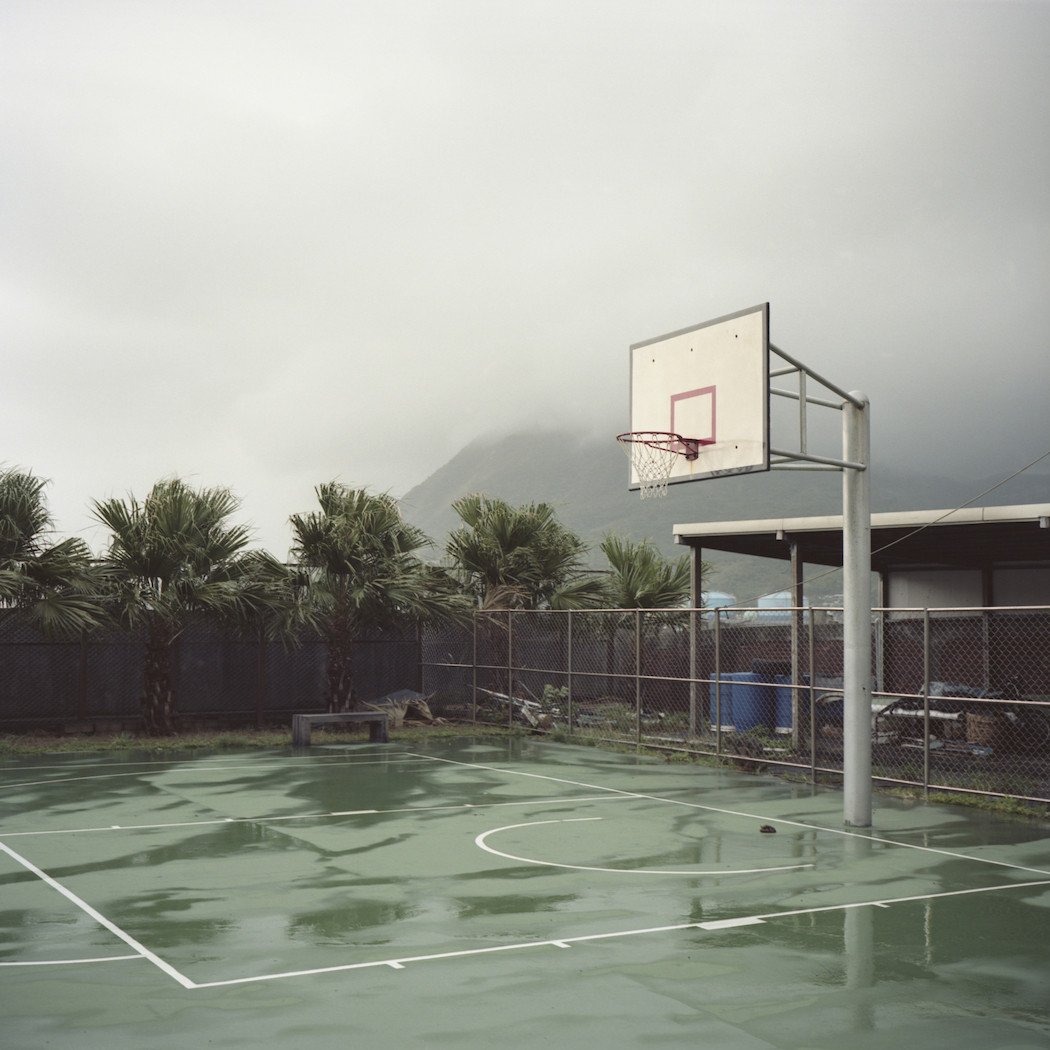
926	701
474	671
693	614
82	678
810	702
638	677
696	600
718	681
797	625
510	669
856	633
260	679
568	667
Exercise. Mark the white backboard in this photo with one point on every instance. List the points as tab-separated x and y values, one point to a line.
709	383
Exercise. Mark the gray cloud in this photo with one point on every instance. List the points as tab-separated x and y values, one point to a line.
268	244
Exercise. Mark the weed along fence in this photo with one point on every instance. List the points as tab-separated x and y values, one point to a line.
961	697
95	681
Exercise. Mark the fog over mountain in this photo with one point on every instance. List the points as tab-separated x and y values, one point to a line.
585	477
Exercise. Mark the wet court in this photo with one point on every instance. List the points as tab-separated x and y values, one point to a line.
523	893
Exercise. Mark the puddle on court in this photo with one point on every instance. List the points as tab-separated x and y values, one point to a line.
277	883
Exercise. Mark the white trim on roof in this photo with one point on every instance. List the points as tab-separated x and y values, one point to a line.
892	519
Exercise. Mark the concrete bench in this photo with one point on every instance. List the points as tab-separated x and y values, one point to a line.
378	732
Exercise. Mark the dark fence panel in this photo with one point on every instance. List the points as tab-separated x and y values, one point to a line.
38	679
216	676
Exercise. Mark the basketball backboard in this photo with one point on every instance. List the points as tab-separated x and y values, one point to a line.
708	383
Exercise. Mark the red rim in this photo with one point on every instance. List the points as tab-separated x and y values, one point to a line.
665	440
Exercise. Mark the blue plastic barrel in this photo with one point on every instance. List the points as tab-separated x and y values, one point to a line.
745	703
752	703
782	703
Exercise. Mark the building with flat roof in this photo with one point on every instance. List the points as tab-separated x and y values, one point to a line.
974	557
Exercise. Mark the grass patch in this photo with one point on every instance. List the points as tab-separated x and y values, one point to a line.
231	739
1017	807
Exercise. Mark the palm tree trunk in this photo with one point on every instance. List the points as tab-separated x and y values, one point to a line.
158	702
339	677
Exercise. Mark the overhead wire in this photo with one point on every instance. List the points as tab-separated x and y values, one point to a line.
746	603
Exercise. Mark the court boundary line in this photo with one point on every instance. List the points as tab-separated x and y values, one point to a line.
321	752
139	948
307	816
73	962
401	962
178	768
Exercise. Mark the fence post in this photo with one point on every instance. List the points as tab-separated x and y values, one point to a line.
474	671
82	678
811	697
718	683
510	668
926	702
260	681
568	667
692	672
797	622
637	677
986	650
419	658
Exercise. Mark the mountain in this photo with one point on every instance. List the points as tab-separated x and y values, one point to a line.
585	477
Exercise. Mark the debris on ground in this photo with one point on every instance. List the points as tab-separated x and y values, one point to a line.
403	705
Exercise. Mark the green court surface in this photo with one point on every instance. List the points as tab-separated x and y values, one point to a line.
516	893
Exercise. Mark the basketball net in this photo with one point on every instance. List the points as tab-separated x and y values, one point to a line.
652	454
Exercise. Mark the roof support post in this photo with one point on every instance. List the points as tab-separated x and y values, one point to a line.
696	600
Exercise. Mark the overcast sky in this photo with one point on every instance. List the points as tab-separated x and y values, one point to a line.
268	244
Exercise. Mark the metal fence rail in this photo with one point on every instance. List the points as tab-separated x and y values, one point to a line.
961	697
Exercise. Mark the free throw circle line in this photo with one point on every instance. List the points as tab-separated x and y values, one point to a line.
480	840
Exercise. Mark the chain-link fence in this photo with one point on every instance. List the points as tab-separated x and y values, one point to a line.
218	678
961	697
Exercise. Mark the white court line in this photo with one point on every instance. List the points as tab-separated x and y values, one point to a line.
480	841
400	962
140	949
751	816
884	902
308	816
326	756
73	962
179	768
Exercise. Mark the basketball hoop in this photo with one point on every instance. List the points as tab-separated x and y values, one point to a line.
652	454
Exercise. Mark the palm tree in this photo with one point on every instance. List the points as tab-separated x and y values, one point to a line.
175	559
363	575
519	557
642	578
52	587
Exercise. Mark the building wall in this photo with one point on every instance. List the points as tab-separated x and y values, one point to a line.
942	588
1022	586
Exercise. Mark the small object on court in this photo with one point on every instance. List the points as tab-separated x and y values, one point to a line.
768	829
